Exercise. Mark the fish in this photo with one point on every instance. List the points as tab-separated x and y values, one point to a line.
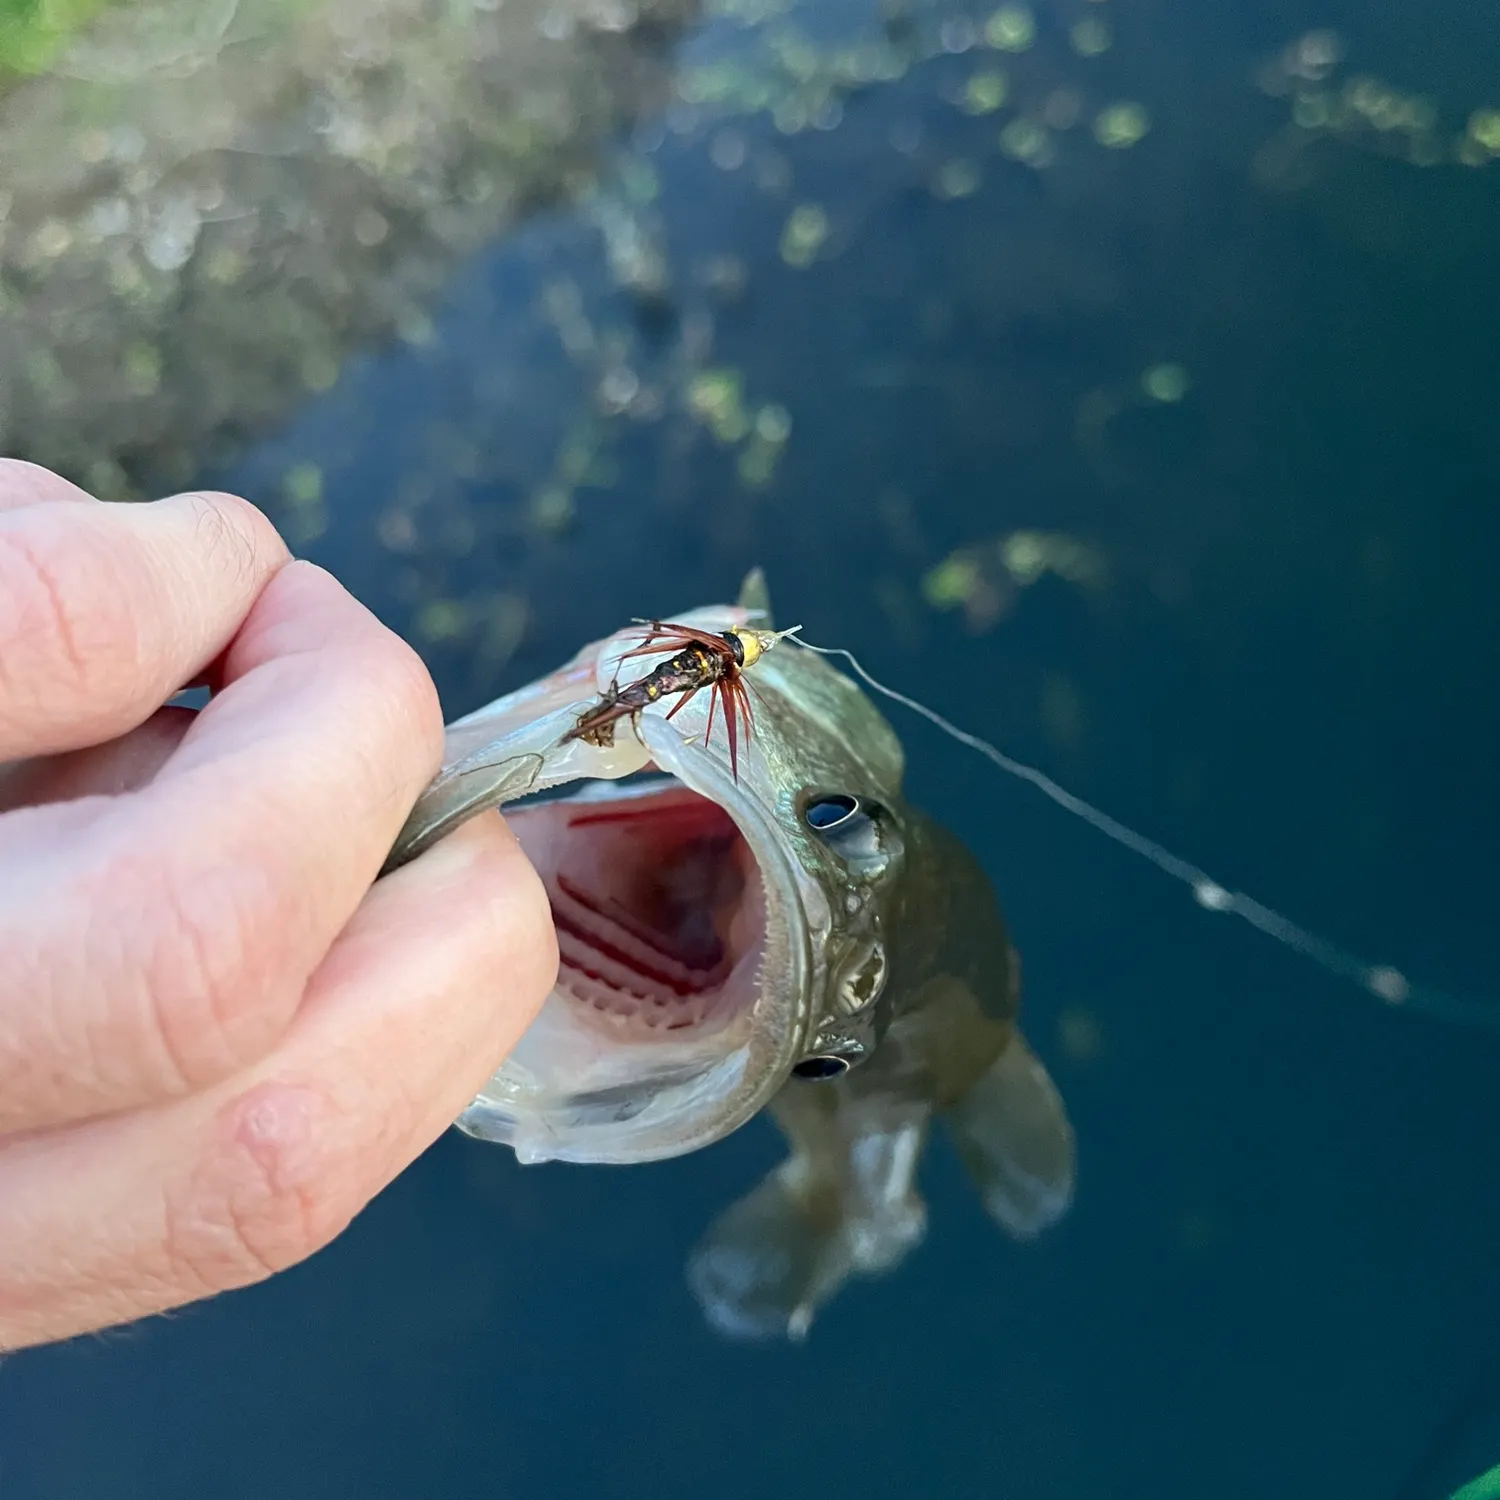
788	935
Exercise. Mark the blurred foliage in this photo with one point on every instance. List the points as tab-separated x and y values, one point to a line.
34	32
1373	114
984	581
206	205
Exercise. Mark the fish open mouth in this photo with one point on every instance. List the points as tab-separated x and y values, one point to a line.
658	903
685	921
685	962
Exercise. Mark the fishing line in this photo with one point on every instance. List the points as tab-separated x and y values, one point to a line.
1384	981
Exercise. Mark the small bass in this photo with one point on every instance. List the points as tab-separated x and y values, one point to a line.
751	922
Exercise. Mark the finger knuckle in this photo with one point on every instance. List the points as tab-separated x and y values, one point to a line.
235	532
410	722
412	695
267	1192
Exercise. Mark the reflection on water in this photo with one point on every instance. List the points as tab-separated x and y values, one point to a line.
1118	377
208	206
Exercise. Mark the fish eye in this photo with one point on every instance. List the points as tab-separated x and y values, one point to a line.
850	827
824	814
821	1067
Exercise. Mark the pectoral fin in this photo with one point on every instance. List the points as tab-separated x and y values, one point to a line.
1013	1136
834	1209
768	1262
754	595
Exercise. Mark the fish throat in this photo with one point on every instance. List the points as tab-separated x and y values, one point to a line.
658	903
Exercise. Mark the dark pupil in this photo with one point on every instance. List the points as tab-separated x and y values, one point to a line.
829	812
821	1067
736	646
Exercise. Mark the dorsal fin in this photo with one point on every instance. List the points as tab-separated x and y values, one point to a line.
755	596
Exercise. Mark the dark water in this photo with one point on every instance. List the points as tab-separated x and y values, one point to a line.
1280	1276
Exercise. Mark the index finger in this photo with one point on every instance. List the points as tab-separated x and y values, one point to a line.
106	610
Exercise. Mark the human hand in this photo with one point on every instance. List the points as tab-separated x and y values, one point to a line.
218	1040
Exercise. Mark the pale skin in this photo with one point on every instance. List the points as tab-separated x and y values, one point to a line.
219	1037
